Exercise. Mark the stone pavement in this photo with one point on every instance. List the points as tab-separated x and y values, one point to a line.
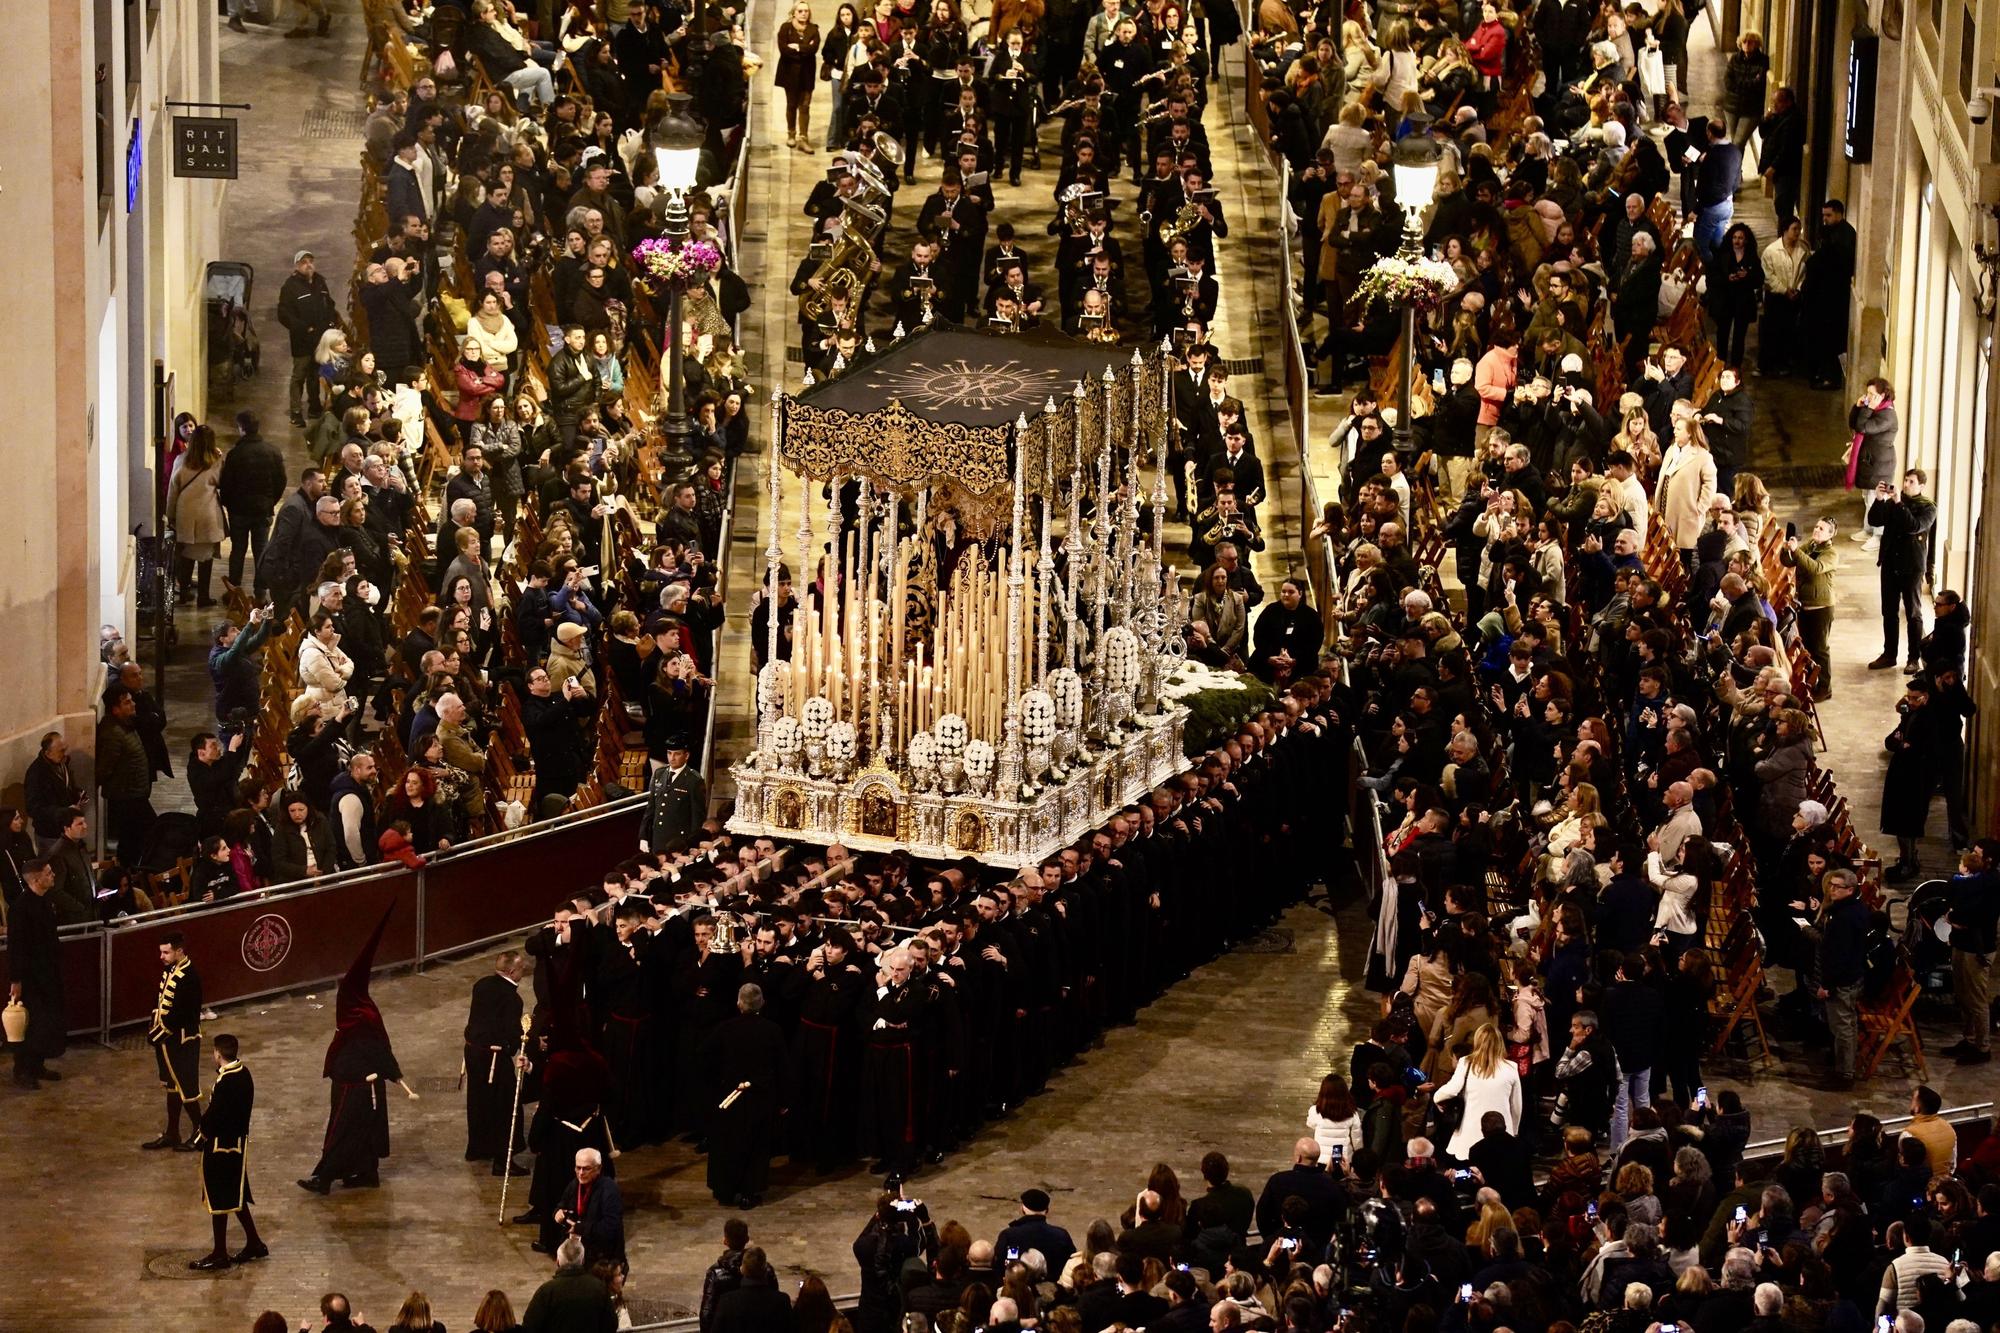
1228	1060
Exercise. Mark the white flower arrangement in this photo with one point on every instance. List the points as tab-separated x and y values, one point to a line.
841	740
787	739
1066	688
1191	678
979	761
1397	282
1038	717
774	686
922	751
951	736
1121	658
817	716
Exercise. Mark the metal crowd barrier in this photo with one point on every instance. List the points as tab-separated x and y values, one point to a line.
299	935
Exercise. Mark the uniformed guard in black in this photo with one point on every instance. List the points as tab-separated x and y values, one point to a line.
224	1132
175	1037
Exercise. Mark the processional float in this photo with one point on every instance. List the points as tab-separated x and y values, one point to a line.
985	617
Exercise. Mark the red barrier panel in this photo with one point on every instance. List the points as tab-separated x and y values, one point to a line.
262	945
513	885
83	981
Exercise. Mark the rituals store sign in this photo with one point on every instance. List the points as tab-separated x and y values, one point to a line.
205	147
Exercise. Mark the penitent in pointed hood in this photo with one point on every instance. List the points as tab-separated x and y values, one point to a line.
354	1013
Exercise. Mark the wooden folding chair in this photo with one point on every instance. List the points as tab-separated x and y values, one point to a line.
1887	1021
1737	1000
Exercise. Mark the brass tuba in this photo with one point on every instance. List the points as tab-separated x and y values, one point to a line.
888	148
1183	222
845	272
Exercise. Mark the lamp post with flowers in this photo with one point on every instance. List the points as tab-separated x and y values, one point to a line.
672	262
1408	280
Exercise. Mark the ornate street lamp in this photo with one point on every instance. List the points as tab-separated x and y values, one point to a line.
1415	164
677	148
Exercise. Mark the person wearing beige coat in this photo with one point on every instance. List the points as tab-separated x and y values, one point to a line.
1685	486
461	752
194	511
324	669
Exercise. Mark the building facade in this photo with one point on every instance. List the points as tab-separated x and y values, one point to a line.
1937	198
103	265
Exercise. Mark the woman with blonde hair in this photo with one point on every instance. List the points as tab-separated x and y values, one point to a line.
1360	55
1397	74
1752	504
1493	1215
415	1316
1485	1080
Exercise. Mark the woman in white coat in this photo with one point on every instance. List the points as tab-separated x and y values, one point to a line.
1485	1080
1335	1121
324	669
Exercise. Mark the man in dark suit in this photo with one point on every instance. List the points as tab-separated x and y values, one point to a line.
593	1209
959	223
678	801
1032	1230
1325	1200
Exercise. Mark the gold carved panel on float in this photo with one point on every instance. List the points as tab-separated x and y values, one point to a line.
878	812
969	832
895	447
788	808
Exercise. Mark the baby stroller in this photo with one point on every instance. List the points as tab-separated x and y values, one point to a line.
1930	955
232	337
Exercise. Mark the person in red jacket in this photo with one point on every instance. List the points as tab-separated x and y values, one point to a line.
1487	48
477	382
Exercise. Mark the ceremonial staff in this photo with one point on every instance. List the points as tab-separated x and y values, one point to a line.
514	1116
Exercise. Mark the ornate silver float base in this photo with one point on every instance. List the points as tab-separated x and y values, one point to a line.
876	810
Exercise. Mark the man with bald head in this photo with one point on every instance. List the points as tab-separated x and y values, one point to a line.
1681	823
1307	1180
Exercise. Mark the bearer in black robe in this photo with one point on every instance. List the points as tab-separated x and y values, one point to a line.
704	989
361	1064
223	1130
175	1037
749	1072
888	1067
492	1044
826	1054
34	974
618	992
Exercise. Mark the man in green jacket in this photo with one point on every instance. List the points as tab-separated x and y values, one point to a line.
124	774
1815	560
